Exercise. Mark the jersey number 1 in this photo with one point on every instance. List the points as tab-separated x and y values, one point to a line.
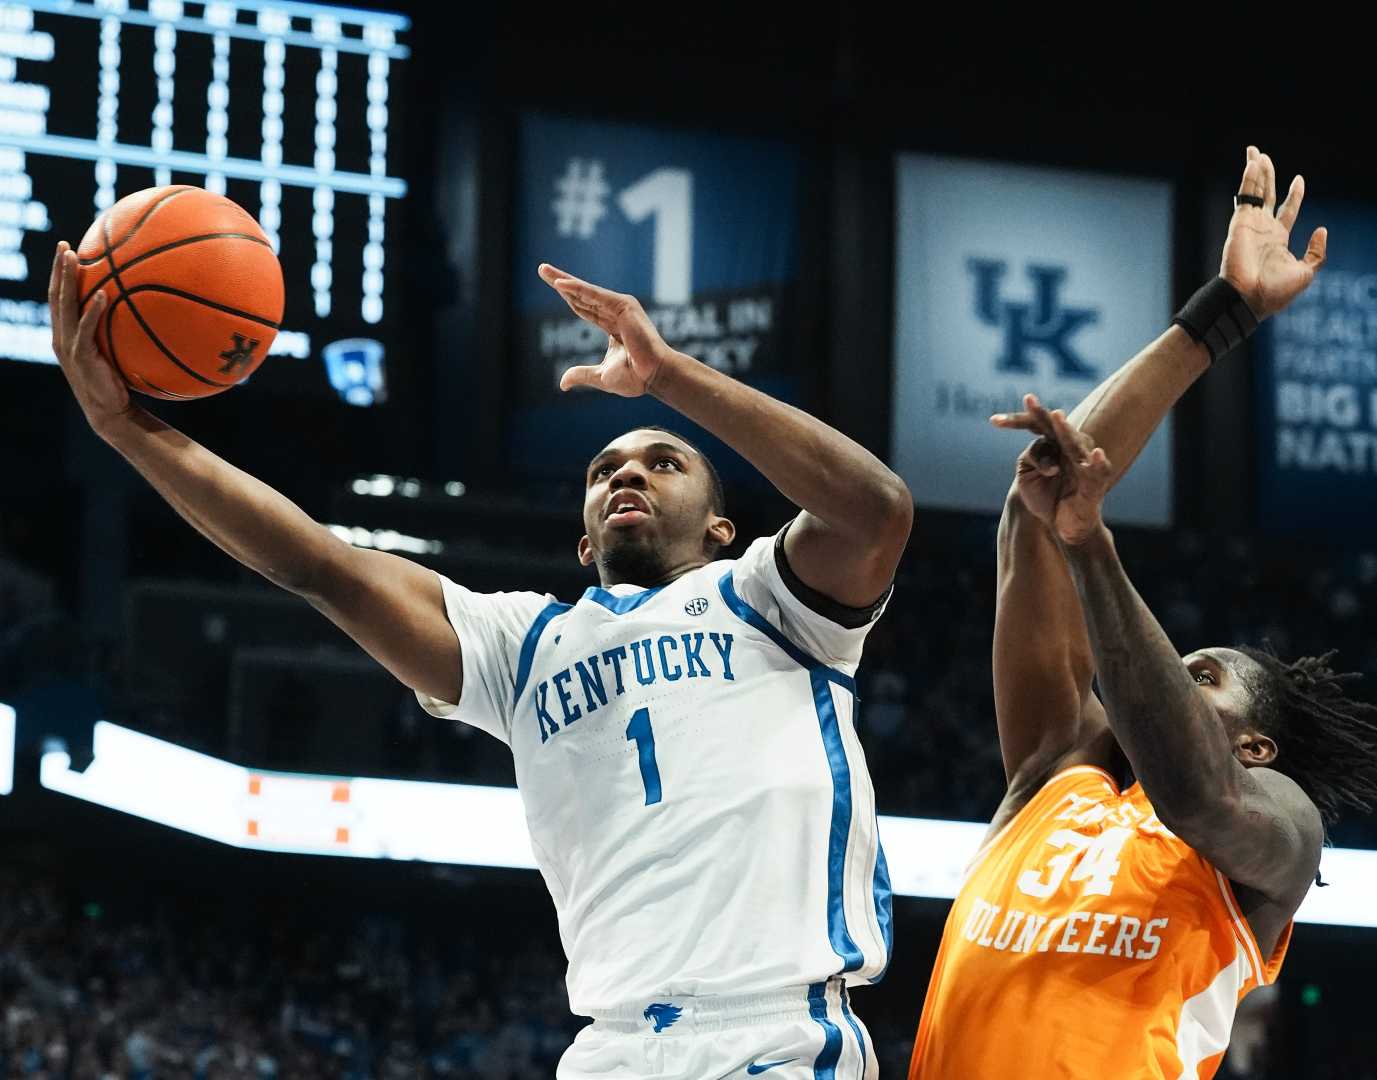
640	732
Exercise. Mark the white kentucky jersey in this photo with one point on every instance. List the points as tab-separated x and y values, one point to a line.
697	798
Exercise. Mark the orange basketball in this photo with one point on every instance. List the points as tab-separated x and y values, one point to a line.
192	287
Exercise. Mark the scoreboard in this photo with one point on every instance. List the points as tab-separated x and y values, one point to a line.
287	108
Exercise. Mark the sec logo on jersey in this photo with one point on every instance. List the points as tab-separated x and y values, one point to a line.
696	606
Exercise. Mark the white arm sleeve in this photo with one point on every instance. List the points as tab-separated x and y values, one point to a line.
491	628
758	582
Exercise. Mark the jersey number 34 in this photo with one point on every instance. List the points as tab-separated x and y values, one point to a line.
1095	859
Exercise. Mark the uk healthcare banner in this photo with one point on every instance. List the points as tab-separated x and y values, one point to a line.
1009	280
1315	379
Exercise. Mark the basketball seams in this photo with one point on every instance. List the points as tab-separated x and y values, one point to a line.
133	310
114	359
194	298
168	247
165	350
105	225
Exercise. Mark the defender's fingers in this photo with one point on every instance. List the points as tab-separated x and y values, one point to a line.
1291	207
1018	421
1045	456
1319	245
1269	181
1252	182
1074	443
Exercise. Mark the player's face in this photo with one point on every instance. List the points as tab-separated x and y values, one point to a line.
646	507
1226	677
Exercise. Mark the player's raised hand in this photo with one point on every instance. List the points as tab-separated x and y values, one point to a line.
1062	477
101	393
1257	256
635	349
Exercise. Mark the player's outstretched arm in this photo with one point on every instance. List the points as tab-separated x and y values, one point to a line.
1041	660
1041	672
390	606
1255	825
857	514
1121	413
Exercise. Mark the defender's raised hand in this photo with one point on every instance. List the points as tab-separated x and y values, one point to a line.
1257	257
635	350
1063	476
98	387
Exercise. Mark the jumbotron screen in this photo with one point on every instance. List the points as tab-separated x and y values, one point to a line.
286	108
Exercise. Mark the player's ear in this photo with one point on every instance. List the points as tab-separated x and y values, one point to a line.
585	551
1252	748
721	531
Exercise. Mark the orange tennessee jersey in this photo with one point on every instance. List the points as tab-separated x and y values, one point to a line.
1088	941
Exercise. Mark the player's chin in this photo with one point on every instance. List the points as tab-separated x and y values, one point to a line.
635	535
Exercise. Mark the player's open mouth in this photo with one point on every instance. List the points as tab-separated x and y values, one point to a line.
627	509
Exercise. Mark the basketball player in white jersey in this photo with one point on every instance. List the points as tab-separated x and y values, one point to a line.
697	799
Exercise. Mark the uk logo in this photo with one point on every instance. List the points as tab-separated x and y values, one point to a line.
1043	326
696	606
663	1014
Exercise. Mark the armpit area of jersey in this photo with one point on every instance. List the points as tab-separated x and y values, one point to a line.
849	617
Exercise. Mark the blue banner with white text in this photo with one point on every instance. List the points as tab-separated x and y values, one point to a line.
1316	384
701	228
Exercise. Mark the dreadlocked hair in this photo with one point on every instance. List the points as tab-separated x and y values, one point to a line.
1327	740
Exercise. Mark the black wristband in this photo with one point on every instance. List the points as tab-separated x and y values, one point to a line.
1217	316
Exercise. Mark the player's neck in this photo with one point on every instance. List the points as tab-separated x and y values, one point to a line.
648	579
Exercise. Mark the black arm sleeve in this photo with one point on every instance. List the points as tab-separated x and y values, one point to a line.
849	617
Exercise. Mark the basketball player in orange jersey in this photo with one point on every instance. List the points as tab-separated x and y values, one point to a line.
1109	929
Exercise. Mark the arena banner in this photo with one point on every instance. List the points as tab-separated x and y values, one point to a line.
1010	280
1315	380
701	228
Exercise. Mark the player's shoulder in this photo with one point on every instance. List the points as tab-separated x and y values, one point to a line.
513	611
1294	812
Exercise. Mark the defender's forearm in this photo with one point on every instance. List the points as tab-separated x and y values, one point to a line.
1172	737
813	465
1123	411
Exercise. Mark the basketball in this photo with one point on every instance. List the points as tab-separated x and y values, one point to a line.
192	287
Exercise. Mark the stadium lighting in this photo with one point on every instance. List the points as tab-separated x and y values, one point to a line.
7	727
409	819
386	540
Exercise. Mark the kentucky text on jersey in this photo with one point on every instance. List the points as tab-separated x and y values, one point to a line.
591	683
695	792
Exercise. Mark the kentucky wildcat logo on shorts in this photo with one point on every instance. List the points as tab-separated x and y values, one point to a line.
662	1014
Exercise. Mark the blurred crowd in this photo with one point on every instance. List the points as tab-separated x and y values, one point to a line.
177	992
